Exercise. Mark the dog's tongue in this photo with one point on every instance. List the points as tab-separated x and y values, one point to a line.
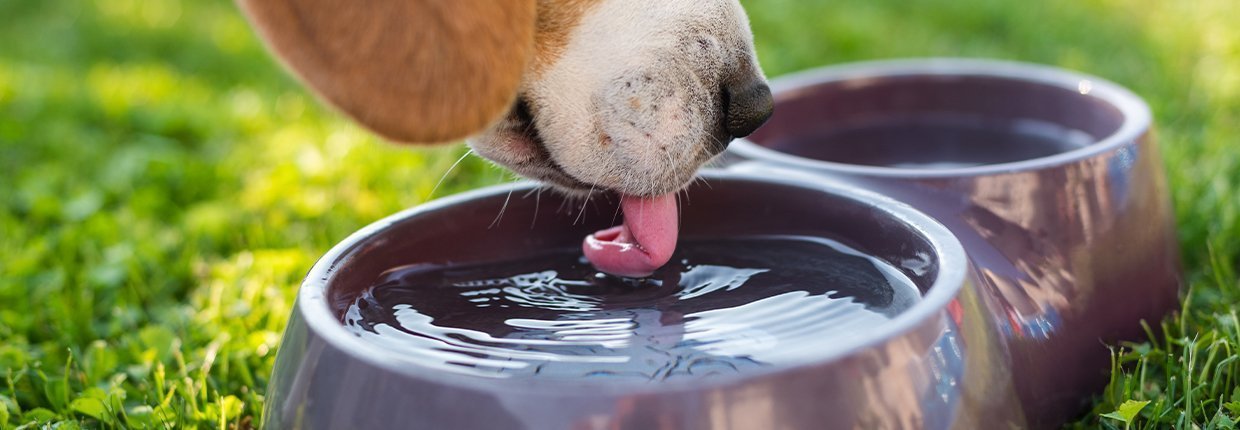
643	243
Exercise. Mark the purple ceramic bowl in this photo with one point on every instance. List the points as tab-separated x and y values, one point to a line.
939	364
1049	178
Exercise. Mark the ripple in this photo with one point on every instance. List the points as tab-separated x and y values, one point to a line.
722	306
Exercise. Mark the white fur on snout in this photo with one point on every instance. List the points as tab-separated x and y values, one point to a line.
633	102
651	131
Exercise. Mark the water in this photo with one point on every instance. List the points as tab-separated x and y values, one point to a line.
722	306
935	142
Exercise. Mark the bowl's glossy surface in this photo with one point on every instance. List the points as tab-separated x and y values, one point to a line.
937	365
1034	264
1072	249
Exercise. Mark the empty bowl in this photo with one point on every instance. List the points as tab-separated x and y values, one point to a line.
1050	179
931	357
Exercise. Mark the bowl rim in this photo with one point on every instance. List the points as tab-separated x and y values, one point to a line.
316	313
1135	112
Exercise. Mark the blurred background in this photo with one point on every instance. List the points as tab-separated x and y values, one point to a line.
164	184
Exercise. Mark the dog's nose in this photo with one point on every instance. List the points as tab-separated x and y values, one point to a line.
748	107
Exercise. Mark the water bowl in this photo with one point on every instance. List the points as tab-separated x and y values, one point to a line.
794	303
1049	178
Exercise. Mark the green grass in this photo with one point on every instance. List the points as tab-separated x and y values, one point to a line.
165	185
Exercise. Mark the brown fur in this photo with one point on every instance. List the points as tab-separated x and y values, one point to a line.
631	96
556	21
418	71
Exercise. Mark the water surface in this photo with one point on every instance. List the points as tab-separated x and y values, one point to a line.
721	306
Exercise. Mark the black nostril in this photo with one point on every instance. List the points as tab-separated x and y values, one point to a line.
748	107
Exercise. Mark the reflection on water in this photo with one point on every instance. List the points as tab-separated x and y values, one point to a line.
722	306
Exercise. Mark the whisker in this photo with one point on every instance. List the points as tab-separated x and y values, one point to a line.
500	216
501	211
593	204
537	201
696	179
680	212
563	203
721	143
445	174
583	205
617	213
706	182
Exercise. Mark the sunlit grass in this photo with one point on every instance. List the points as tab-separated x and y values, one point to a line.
166	185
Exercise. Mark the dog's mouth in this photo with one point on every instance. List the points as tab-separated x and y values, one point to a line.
642	243
547	170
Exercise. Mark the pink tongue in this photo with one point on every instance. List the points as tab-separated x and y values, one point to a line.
643	243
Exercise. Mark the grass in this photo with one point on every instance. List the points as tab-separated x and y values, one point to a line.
165	185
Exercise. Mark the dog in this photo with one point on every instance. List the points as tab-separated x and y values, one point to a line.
630	96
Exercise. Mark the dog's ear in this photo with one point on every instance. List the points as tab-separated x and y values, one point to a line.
419	71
